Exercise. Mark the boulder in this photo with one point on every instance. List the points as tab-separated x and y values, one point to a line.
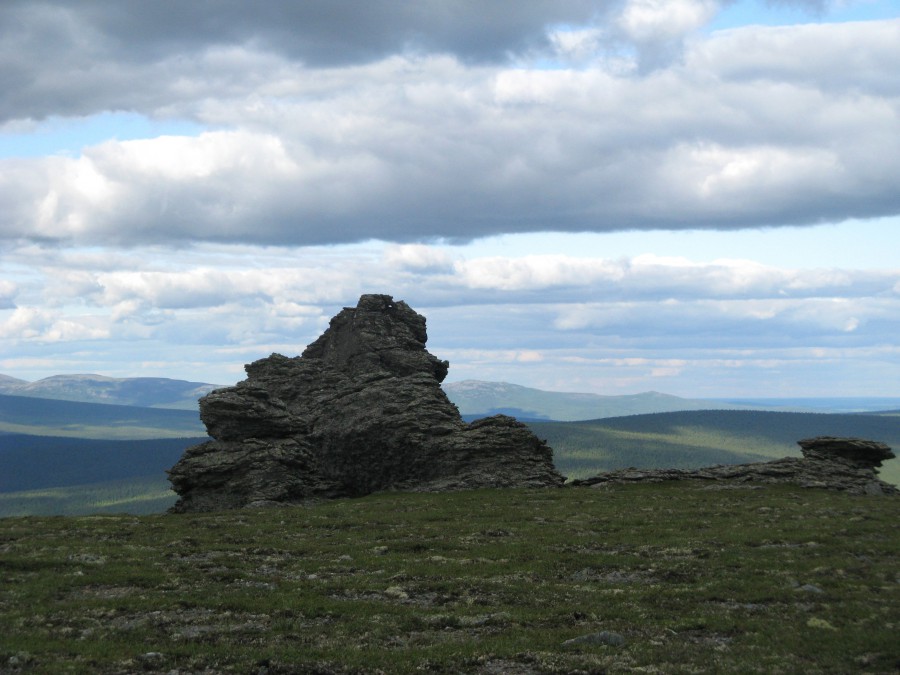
855	451
361	410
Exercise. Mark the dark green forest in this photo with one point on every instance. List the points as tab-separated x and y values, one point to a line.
35	462
52	417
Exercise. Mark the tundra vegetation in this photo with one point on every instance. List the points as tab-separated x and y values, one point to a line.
672	577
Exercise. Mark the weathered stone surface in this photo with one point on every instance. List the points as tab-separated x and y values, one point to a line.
846	464
360	411
854	450
604	637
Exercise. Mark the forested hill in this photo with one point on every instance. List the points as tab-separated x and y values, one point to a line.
37	462
52	417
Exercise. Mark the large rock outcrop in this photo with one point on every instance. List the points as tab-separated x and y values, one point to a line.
846	464
360	411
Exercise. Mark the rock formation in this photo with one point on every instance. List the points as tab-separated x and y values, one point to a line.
854	451
360	411
847	464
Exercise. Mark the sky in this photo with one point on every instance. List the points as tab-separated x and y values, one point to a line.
698	197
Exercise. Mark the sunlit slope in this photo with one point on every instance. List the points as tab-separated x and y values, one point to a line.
136	495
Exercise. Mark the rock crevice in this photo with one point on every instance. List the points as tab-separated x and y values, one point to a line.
361	410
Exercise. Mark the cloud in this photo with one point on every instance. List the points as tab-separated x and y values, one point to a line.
537	272
815	55
8	292
291	283
653	277
650	20
334	148
41	326
658	28
752	324
418	258
564	322
753	126
286	290
56	57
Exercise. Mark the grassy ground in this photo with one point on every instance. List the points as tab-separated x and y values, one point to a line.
665	578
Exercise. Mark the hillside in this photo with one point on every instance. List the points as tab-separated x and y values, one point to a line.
136	495
72	457
645	578
37	462
691	439
831	404
54	417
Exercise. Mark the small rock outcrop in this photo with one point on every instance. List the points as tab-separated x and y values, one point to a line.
854	451
846	464
360	411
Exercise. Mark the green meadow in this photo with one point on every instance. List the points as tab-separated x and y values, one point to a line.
641	578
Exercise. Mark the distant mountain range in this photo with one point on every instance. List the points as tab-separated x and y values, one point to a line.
474	398
148	392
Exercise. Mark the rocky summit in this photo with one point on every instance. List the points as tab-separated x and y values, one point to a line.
846	464
361	410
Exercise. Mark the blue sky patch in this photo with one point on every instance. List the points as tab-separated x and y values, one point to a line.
69	135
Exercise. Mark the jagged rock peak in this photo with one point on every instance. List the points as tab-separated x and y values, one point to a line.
361	410
379	333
